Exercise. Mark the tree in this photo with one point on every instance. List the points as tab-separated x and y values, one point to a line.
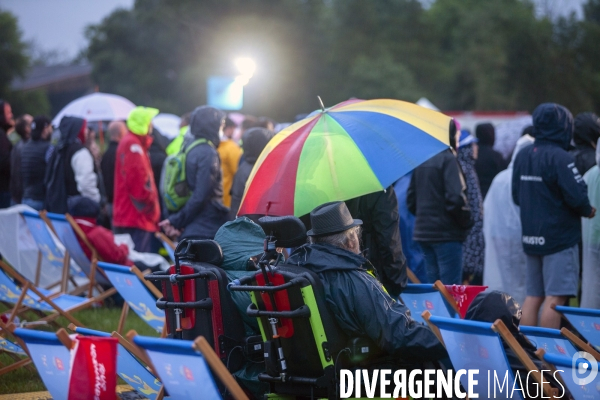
13	58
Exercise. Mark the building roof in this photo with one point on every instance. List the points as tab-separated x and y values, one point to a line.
44	76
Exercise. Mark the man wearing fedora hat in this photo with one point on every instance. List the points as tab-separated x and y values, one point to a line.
361	305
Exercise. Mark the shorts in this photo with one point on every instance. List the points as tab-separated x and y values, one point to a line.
554	274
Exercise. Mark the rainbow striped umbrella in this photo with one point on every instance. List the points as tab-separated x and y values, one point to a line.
349	150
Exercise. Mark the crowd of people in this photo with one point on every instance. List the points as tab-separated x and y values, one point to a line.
465	216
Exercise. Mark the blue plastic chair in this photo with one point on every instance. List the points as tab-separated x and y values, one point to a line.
68	238
585	320
138	294
550	340
129	368
182	369
426	297
475	345
51	359
564	365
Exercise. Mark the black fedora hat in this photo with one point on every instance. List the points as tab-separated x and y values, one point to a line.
331	218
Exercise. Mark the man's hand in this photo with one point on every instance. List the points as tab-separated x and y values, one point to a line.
169	229
593	214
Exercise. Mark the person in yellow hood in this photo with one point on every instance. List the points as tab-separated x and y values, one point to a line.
230	154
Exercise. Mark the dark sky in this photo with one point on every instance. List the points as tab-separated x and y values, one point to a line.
59	24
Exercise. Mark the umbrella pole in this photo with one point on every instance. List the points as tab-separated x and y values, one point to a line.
101	136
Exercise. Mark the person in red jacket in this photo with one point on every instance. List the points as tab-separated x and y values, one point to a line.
85	212
136	209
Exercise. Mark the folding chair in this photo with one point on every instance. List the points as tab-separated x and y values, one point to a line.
13	348
51	359
429	297
129	368
550	340
138	294
63	225
47	249
183	367
167	244
579	390
478	345
585	320
28	297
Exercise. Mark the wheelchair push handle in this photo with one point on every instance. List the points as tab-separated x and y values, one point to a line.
205	304
300	312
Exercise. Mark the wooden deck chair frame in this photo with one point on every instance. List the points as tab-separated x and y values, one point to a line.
6	330
27	285
212	359
165	239
573	338
447	296
500	328
411	276
125	310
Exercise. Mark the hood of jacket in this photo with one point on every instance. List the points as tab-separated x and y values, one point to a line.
587	129
205	123
239	239
486	133
70	128
324	257
253	143
553	123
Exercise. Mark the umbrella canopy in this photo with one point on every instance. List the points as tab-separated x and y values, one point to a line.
167	124
354	148
97	107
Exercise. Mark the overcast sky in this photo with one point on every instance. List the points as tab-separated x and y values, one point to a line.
59	24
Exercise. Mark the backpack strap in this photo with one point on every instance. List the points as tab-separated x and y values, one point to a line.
196	143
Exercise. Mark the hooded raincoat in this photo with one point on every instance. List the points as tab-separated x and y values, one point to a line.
204	212
70	170
362	307
590	281
548	186
587	132
505	261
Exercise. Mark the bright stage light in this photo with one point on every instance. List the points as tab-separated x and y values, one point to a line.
245	66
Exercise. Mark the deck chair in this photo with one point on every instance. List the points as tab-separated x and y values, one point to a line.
63	225
167	243
429	297
129	367
51	359
585	320
47	249
550	340
478	345
564	365
12	347
25	296
138	294
187	368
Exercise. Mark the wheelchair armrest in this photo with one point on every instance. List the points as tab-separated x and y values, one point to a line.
300	312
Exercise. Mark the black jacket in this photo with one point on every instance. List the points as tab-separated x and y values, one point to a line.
361	306
253	143
381	236
489	162
107	166
33	169
436	196
16	179
5	150
60	178
204	212
585	136
547	185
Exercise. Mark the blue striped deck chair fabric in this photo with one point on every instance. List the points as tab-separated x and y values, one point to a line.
136	293
14	351
585	320
51	359
425	297
182	369
550	340
133	372
580	389
475	345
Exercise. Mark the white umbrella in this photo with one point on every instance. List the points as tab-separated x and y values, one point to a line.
97	107
167	125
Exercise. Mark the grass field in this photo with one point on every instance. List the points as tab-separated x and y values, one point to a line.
26	379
